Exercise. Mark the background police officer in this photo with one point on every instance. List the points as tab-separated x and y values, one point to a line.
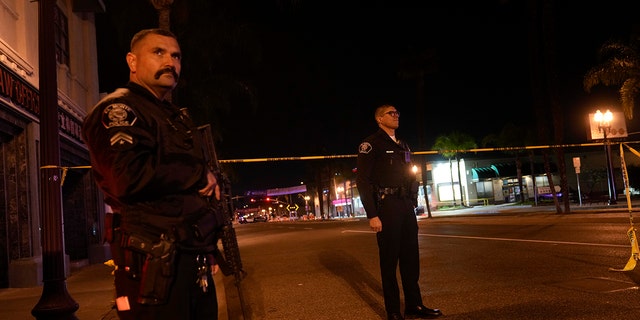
388	189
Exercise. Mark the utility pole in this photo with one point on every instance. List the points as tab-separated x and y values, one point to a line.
424	170
55	302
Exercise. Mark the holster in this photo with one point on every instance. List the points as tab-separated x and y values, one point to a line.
157	272
127	260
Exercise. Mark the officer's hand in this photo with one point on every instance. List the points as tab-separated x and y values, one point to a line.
375	224
211	187
214	269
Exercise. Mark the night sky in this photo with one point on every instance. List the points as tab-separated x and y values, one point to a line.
325	65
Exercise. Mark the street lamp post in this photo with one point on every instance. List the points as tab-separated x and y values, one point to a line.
306	199
604	125
339	191
306	204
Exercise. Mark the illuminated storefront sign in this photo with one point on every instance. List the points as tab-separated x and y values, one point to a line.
19	91
25	96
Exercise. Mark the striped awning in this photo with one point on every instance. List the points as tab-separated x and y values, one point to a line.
508	170
483	173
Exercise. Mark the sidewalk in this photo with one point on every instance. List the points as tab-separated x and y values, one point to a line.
511	208
92	286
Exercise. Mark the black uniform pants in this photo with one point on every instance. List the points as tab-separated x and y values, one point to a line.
398	246
186	299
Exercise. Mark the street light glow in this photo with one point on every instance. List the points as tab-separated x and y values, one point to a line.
604	125
603	119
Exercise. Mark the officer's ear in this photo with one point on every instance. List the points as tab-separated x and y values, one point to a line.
131	61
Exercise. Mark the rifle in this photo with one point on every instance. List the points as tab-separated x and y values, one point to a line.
229	261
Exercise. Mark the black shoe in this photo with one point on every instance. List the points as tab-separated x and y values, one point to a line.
422	312
394	316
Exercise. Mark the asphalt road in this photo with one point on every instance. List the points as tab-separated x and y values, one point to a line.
480	266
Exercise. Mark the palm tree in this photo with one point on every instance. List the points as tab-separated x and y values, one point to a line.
415	65
545	89
450	146
619	66
164	12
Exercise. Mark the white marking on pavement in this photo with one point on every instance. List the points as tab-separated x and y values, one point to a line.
507	239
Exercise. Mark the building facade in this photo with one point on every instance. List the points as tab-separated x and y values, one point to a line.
481	181
77	81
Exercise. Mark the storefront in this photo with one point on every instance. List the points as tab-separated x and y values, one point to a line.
19	185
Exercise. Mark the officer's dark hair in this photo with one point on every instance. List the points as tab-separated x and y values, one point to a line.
381	110
145	32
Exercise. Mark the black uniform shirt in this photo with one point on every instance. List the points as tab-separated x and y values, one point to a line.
382	163
145	152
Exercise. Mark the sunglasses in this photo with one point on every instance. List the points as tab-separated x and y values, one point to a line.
393	113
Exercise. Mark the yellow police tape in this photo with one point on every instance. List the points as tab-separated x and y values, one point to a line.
635	253
631	232
64	170
427	152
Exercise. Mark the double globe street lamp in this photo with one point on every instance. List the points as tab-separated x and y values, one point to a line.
306	204
306	199
604	125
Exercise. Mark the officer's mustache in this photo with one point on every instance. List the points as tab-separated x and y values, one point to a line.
170	70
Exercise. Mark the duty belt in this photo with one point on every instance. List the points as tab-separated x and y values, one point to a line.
397	191
390	190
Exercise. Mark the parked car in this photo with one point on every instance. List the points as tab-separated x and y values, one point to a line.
549	196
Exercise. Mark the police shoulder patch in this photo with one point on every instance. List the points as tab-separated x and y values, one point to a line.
365	147
118	115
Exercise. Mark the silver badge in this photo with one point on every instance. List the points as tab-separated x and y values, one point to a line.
365	147
118	115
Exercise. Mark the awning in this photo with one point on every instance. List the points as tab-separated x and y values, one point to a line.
483	173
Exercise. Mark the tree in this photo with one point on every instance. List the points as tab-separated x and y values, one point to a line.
619	66
414	65
450	146
545	89
164	12
217	78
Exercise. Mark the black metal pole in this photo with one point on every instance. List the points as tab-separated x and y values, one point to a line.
425	187
55	302
612	186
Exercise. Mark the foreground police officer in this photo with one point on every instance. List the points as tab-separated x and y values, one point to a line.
388	190
147	158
